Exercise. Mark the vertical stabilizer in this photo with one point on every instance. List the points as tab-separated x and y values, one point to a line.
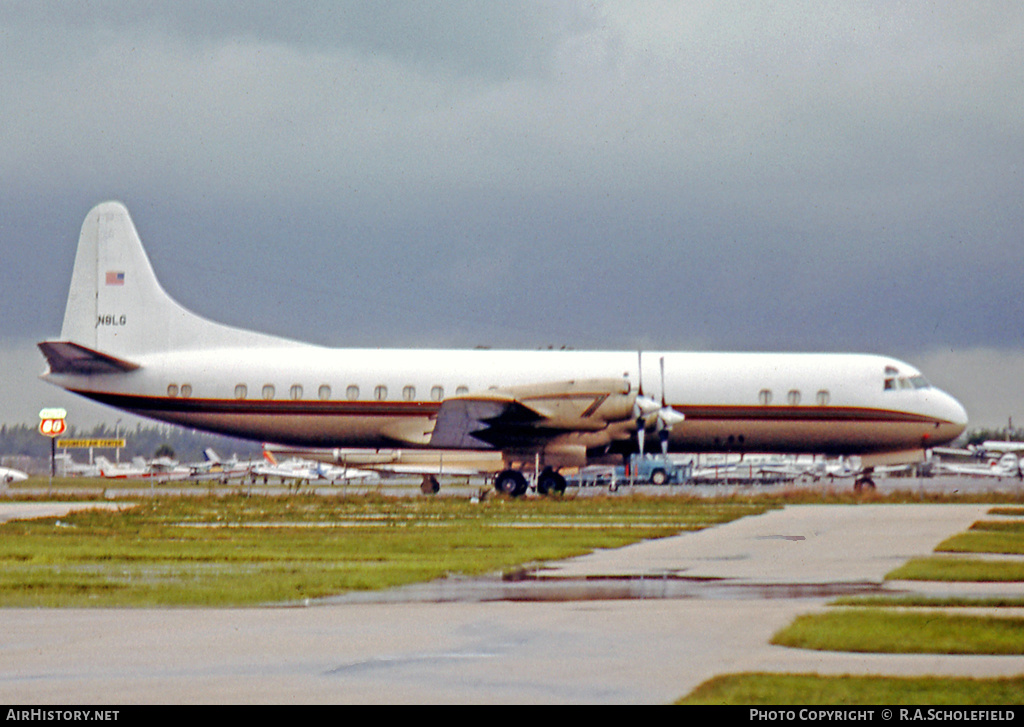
117	306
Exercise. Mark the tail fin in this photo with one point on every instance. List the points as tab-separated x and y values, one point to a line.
117	306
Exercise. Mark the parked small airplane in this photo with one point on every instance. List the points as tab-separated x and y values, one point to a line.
1006	466
9	475
215	469
67	466
997	445
161	469
127	344
428	464
304	470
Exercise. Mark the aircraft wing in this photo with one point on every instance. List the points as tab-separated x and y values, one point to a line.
530	415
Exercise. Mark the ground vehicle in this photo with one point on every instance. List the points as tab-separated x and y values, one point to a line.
654	470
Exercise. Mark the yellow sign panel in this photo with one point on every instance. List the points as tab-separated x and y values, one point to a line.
84	443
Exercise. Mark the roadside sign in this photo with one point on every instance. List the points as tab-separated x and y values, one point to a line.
51	421
89	443
52	427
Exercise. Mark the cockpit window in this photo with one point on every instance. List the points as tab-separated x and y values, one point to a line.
892	383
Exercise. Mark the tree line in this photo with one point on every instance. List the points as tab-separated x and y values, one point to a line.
185	445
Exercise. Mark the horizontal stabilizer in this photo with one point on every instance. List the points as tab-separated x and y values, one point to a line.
66	357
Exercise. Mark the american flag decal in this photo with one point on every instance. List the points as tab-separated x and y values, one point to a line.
115	277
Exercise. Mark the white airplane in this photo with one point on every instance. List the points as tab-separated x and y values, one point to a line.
428	464
996	445
304	470
1006	466
292	469
215	469
9	475
161	469
69	468
126	343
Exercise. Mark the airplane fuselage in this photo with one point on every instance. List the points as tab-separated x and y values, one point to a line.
314	396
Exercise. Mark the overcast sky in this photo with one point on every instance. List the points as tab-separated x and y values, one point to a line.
833	176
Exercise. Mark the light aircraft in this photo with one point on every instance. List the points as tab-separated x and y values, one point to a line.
9	475
126	343
303	470
161	469
215	469
1006	466
996	445
429	464
69	468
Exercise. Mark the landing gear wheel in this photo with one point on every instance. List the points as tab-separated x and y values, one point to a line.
511	483
430	485
863	483
551	482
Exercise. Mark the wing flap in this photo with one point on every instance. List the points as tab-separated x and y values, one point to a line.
527	416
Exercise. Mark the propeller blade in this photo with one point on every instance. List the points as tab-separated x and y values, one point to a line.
662	364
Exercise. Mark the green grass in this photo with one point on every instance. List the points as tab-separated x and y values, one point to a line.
805	689
221	551
1008	511
915	601
896	632
987	536
958	569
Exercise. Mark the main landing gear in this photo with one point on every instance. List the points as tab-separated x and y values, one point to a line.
511	482
550	482
864	481
514	483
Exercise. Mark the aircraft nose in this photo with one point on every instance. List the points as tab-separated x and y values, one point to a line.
952	417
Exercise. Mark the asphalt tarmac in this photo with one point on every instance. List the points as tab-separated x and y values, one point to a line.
643	624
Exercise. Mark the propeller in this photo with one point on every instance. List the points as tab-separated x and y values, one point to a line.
644	407
667	416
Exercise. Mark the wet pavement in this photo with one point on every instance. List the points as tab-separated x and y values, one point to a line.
641	624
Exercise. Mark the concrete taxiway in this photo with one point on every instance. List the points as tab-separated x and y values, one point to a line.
539	640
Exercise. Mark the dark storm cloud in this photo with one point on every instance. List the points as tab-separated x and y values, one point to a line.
499	39
732	175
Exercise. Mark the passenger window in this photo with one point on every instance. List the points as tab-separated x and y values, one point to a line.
352	392
295	392
822	397
268	391
241	391
324	392
380	393
409	393
437	393
793	397
172	390
186	390
461	390
765	396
